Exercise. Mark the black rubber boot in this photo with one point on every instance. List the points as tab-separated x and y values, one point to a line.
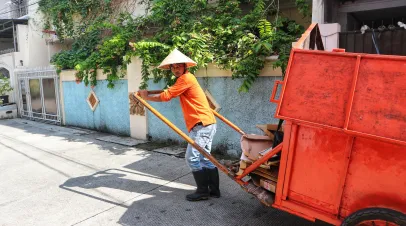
202	191
214	182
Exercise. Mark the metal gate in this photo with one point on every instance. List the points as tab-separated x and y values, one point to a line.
389	42
38	92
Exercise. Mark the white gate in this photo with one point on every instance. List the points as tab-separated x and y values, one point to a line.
38	91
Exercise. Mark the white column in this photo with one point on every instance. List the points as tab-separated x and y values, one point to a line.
318	11
138	124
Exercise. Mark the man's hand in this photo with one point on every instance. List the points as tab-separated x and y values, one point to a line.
143	93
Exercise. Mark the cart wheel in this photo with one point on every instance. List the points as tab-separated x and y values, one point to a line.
375	217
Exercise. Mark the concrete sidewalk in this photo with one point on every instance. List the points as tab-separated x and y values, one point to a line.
53	175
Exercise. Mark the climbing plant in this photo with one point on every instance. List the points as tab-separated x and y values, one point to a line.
4	86
236	35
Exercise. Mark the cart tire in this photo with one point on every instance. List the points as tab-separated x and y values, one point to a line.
363	216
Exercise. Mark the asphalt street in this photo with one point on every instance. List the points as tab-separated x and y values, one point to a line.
52	175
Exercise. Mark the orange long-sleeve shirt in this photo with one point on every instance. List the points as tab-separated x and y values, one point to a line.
195	106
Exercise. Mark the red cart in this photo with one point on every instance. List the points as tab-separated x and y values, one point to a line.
344	150
343	156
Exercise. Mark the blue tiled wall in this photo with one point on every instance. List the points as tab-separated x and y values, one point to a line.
243	109
112	113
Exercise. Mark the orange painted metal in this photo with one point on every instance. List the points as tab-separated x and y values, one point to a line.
343	177
309	212
351	93
327	174
283	163
338	50
300	214
289	161
344	147
376	176
351	99
328	165
305	36
275	89
311	39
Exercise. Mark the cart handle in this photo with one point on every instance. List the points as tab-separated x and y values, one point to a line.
226	121
275	88
222	118
187	138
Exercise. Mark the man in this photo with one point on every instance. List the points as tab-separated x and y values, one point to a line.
199	119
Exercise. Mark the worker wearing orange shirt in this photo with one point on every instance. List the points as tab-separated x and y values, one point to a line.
200	122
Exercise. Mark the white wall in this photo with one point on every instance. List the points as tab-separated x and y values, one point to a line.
22	40
139	10
318	11
37	51
32	49
4	8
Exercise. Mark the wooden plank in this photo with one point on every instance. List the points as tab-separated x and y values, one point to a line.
243	164
268	185
212	102
262	170
265	175
264	128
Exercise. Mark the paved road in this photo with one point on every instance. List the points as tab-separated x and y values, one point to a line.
61	176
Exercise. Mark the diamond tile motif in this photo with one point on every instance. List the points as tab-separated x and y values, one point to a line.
92	100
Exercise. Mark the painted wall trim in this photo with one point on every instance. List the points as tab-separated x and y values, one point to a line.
69	75
62	102
138	123
213	71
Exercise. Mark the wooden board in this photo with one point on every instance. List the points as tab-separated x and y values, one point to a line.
269	177
268	185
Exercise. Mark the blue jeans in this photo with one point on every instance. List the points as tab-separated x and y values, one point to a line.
203	136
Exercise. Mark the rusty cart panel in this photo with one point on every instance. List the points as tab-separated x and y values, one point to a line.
345	134
379	106
361	94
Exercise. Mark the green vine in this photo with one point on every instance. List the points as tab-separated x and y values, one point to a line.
304	7
236	35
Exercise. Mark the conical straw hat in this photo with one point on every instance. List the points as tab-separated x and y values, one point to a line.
176	57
